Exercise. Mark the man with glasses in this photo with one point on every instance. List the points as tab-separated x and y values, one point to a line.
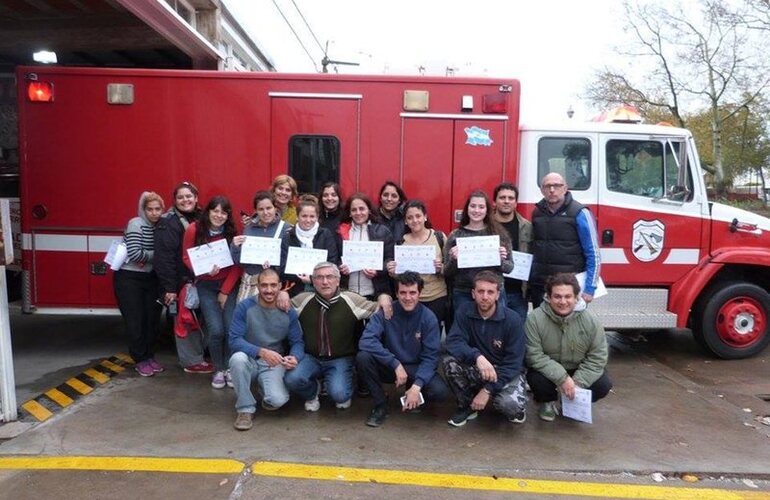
564	239
331	321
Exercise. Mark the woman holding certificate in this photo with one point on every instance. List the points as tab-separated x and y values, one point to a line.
420	235
363	263
307	235
265	224
479	244
216	286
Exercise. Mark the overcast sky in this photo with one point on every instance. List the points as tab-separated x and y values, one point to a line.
551	46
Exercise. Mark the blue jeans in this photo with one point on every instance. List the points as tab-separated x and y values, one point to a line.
217	320
518	303
337	372
244	370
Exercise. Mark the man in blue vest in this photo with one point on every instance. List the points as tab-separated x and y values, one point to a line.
564	239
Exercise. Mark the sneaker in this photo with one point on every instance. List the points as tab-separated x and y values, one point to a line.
243	421
269	407
218	380
547	411
228	379
144	369
314	404
156	367
461	416
377	416
344	405
200	368
519	418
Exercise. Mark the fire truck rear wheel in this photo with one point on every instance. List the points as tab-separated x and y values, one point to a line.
733	321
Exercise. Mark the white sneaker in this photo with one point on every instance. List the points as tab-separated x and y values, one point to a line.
218	380
228	379
344	405
313	405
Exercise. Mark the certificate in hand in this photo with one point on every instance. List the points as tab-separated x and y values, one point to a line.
578	408
359	255
478	251
417	258
522	265
203	258
258	250
303	260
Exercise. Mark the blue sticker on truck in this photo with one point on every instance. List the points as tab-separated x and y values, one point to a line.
477	136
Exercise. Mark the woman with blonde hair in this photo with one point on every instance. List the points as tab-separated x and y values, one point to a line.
136	285
284	189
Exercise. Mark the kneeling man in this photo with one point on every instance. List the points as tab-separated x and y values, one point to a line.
486	355
565	348
265	342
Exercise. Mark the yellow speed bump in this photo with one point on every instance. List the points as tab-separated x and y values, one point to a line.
488	483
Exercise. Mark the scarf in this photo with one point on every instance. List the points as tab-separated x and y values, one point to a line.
324	336
306	237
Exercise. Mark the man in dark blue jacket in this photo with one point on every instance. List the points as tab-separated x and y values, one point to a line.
404	350
486	355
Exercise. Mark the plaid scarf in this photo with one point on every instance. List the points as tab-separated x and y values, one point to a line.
324	337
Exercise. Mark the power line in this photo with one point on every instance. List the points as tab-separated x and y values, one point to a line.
296	35
308	26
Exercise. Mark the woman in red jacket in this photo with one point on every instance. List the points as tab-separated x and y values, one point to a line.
216	289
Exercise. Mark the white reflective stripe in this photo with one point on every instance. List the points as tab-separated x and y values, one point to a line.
61	242
26	241
613	256
306	95
454	116
101	243
683	256
91	311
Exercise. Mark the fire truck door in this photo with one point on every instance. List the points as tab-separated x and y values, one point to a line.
649	219
315	138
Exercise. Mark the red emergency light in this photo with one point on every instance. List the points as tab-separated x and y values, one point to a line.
494	103
40	91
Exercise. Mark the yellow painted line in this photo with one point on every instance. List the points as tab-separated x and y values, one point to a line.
112	366
487	483
125	357
37	410
60	397
98	376
79	386
140	464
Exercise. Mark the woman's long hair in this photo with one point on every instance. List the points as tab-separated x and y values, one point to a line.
203	226
490	223
357	196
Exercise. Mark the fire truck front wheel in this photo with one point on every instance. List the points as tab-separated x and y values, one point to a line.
733	320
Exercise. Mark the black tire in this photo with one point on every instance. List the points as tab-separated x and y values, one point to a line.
732	320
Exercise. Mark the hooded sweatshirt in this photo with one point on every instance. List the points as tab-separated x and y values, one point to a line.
139	238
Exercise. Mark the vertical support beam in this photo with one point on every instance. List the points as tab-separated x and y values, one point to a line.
7	380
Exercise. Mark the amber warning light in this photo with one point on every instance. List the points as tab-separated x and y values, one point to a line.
40	91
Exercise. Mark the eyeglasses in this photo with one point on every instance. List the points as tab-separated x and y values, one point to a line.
546	187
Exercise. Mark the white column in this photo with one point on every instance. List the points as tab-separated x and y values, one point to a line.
7	380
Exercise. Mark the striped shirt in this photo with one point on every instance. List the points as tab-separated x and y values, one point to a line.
139	238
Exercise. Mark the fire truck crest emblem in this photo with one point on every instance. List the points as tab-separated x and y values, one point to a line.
647	239
477	136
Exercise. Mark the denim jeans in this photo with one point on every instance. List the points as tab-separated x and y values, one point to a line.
217	320
375	374
517	302
244	370
337	372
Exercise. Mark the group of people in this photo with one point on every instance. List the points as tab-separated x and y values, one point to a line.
313	334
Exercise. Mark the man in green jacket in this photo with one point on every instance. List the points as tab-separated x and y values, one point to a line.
565	348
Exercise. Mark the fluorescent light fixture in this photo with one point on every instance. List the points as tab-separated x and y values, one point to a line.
45	57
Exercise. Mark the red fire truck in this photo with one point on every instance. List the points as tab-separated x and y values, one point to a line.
92	139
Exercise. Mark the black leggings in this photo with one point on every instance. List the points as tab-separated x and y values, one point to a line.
544	390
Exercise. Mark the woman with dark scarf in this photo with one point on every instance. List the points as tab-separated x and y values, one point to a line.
391	210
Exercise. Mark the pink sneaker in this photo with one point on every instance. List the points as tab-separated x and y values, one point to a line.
144	369
200	368
156	367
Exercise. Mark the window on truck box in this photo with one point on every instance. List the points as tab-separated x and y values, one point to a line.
313	160
568	156
645	168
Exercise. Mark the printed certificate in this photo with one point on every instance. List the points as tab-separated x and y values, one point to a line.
359	255
258	250
205	257
522	265
303	260
478	251
417	258
578	408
